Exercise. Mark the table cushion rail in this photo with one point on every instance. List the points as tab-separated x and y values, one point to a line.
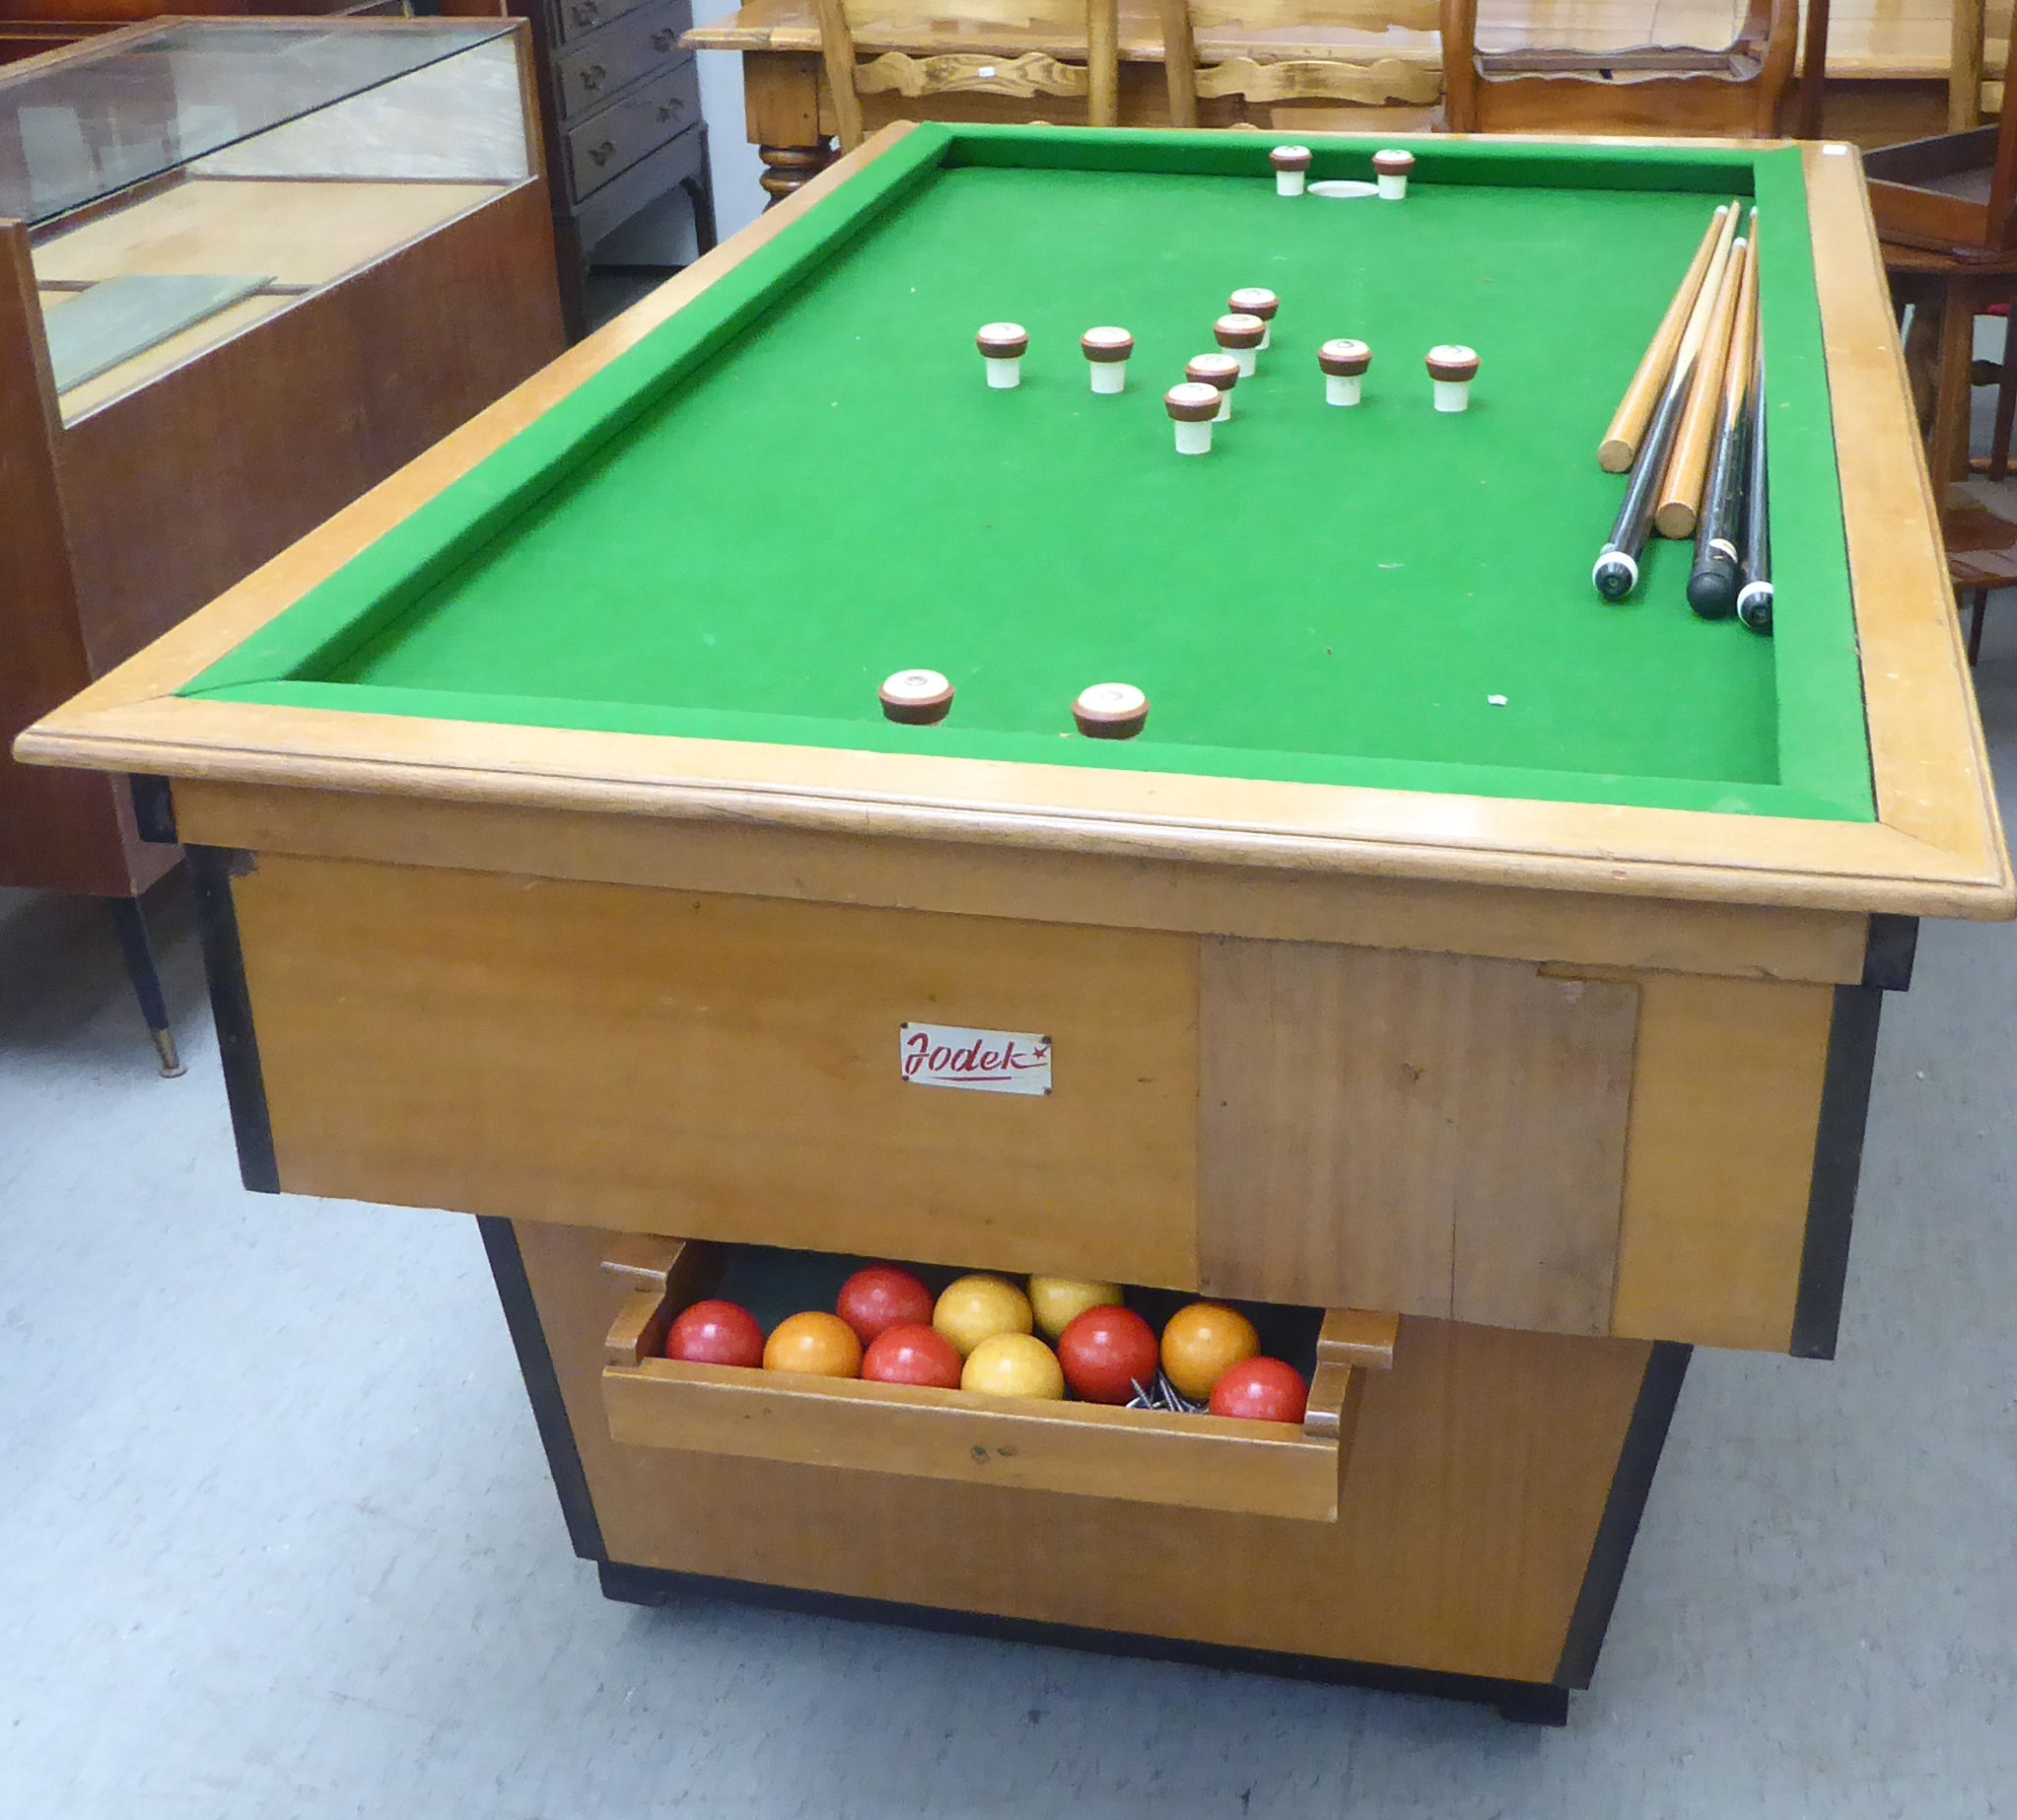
1145	1456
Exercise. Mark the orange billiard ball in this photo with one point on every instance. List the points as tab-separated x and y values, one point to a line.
1200	1341
815	1345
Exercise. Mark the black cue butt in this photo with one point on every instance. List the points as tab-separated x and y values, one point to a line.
1713	584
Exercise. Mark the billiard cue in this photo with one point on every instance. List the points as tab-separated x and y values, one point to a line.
1619	446
1754	598
1616	571
1713	581
1675	515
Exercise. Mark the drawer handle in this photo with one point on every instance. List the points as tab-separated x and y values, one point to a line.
591	76
601	155
662	39
671	109
586	13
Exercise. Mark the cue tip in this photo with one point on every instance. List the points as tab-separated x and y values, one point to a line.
1754	606
1615	454
1616	575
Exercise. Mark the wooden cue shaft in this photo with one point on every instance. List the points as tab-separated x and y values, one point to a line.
1619	446
1681	493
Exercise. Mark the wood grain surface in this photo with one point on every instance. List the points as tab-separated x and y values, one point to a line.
723	1067
1940	854
1429	1134
967	879
1719	1159
1477	1479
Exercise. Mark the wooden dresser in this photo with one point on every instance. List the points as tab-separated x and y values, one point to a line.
620	104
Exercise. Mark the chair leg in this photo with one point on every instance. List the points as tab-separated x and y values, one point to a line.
2006	409
1979	600
130	925
1947	448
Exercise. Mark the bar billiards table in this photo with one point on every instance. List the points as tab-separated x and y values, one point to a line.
1480	980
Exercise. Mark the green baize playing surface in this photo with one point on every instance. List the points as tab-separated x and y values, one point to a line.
1382	594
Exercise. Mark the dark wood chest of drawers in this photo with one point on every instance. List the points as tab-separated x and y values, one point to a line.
620	103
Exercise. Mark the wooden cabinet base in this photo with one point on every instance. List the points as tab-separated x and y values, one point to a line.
1484	1518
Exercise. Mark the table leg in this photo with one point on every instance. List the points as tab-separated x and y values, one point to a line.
1947	448
137	948
788	169
781	103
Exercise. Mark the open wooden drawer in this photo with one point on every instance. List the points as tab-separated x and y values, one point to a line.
1147	1457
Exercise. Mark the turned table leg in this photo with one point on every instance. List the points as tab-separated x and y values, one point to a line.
789	168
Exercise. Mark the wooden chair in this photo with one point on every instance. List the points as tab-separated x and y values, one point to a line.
1273	51
1733	93
1978	525
1023	49
1946	214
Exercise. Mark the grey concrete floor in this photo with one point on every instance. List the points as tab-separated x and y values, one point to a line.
276	1536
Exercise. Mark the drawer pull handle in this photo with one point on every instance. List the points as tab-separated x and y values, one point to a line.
586	13
662	39
668	110
601	155
591	76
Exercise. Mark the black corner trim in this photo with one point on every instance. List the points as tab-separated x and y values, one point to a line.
1838	1166
211	870
154	808
1529	1703
542	1385
1645	1435
1888	952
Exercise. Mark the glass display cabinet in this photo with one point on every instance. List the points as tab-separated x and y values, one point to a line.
248	269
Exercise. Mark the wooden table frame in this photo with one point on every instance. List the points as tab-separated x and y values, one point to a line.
1935	848
312	831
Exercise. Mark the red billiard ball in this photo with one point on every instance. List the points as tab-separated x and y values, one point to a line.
1261	1390
1106	1352
716	1333
881	1297
912	1354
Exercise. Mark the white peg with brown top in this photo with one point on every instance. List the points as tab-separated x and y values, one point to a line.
1191	409
1255	299
1002	346
1391	170
1106	352
1343	364
1452	368
1221	371
1242	335
1291	169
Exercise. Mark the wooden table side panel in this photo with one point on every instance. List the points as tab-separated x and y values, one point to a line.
297	417
58	830
1929	763
971	879
721	1067
1720	1161
1546	1081
1477	1479
1432	1133
945	1435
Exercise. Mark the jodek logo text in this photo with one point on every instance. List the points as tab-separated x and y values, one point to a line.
984	1061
